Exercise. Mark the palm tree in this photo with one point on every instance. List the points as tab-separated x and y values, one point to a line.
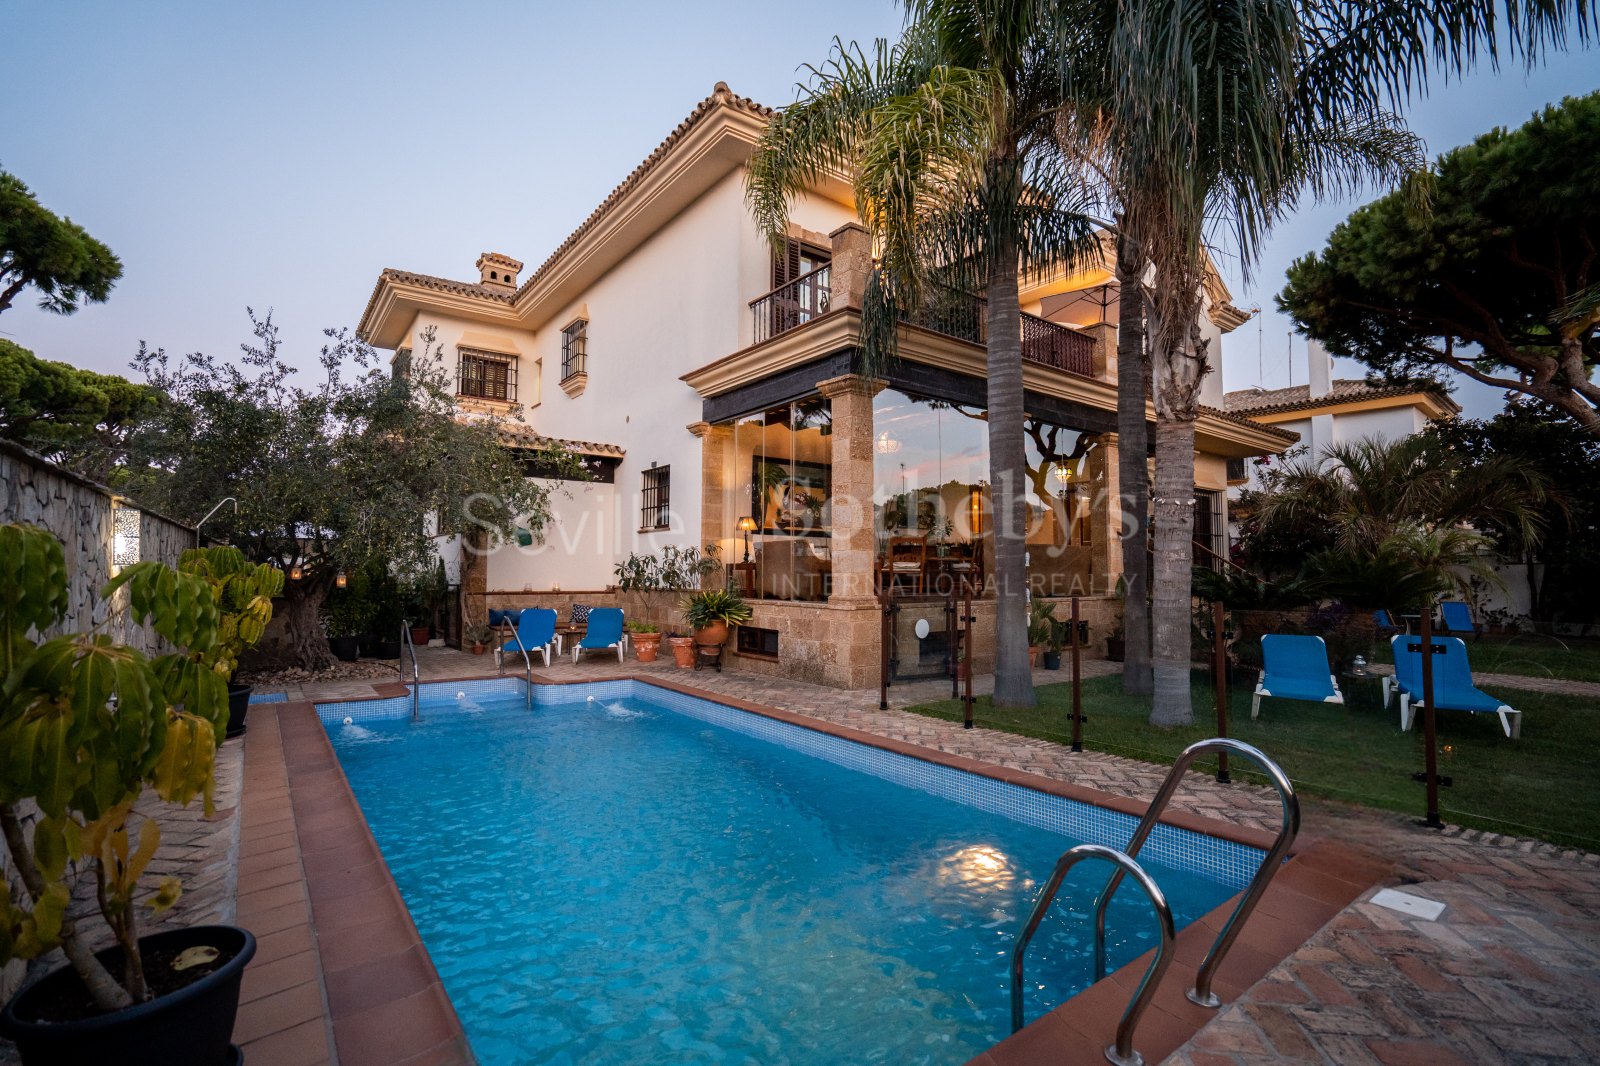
949	140
1369	491
1223	114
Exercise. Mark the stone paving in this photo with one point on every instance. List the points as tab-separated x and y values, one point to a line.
1555	686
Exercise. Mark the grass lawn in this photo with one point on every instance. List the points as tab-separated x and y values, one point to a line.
1544	785
1570	658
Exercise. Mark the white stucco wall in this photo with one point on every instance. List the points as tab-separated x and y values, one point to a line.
677	302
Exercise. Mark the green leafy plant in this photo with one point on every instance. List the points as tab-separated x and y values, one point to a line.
708	608
1247	592
677	568
1041	620
642	627
243	594
86	724
480	634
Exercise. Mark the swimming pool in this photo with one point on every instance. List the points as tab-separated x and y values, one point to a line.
647	877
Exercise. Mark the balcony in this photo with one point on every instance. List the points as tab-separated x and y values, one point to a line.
950	312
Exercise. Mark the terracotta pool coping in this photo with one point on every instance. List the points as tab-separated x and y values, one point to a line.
389	1007
385	1000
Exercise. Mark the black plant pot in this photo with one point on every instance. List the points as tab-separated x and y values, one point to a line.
1116	648
345	649
238	707
387	649
1052	660
190	1027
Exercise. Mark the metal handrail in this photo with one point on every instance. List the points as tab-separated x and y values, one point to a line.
1201	993
416	674
1121	1052
525	658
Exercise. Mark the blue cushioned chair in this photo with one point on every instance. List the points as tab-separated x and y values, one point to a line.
536	631
1457	617
1453	689
1385	623
605	631
1296	669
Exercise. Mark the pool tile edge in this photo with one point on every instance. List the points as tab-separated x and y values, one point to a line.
348	884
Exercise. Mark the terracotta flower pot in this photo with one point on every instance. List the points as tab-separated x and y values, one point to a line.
715	633
683	652
419	636
645	646
1033	657
477	649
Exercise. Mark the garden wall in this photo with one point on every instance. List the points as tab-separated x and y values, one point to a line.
35	491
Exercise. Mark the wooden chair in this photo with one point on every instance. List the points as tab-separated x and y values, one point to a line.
908	558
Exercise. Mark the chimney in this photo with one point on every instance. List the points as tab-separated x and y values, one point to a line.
499	271
1320	364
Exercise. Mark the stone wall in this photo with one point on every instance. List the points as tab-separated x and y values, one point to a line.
35	491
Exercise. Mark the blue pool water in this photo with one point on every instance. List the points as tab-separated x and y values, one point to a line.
611	882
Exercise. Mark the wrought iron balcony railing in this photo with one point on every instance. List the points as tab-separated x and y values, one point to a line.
793	304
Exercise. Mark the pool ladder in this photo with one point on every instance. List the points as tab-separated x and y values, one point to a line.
1122	1053
416	674
525	658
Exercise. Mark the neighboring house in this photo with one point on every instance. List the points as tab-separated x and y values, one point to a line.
1331	411
713	386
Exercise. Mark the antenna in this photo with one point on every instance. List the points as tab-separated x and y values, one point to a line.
1291	358
1261	347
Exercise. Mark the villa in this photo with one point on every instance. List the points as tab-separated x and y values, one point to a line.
712	387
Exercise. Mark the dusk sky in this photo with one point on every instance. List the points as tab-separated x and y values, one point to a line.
279	155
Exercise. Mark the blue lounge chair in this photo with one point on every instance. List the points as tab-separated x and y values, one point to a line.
1453	689
605	631
1296	669
536	632
1457	617
1385	623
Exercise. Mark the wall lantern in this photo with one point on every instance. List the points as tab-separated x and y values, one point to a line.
340	580
886	443
295	574
125	536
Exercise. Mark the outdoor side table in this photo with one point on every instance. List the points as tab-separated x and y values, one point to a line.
1362	690
709	654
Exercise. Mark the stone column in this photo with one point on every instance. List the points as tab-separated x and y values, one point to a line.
852	261
715	472
854	548
1105	516
1105	349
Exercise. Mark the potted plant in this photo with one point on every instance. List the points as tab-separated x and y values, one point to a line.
682	650
479	637
939	534
96	723
349	617
387	617
1052	653
709	615
1041	621
961	664
646	641
1116	643
243	595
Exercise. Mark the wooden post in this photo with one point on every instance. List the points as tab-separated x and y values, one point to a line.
1077	684
1219	669
966	624
1430	755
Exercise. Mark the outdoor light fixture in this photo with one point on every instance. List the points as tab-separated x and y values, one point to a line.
746	524
554	587
886	443
340	580
294	573
125	536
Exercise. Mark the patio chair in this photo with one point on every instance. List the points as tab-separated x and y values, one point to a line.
536	630
1296	669
1453	689
908	556
1385	623
605	631
1457	618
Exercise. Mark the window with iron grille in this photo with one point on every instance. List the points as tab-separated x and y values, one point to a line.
575	349
657	503
486	375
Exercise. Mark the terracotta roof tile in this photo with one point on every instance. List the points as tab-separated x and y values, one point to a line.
524	437
1298	397
720	96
